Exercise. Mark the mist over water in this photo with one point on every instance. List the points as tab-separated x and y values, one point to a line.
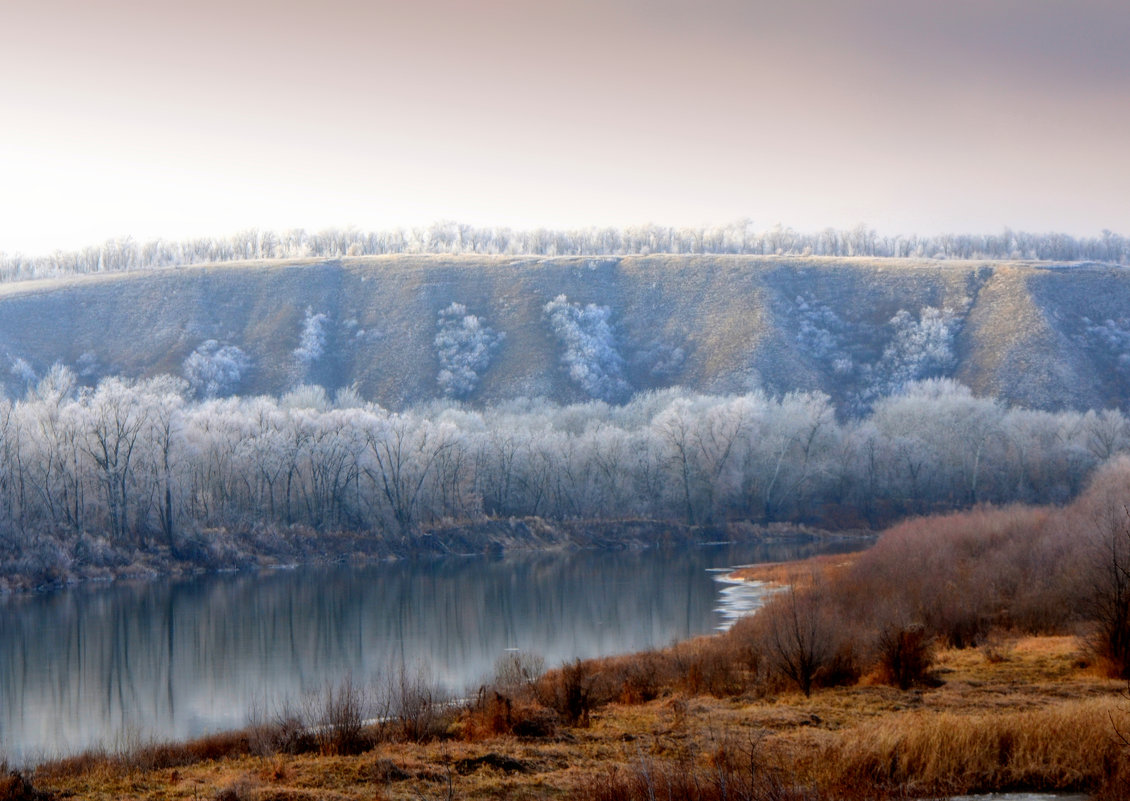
175	659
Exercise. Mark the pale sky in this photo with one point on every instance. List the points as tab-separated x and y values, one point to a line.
153	118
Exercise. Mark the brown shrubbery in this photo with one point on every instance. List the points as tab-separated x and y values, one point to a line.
1105	512
905	654
954	579
14	786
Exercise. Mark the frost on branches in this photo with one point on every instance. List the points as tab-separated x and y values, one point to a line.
312	343
919	349
1112	336
214	371
464	347
589	348
22	371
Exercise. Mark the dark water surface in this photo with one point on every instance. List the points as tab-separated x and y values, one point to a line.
176	659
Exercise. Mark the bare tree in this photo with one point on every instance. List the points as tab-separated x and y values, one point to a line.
1110	597
798	637
116	417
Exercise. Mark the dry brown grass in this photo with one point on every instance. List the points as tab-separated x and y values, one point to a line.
1065	746
1036	717
799	574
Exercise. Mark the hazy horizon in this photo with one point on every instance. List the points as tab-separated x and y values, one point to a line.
154	119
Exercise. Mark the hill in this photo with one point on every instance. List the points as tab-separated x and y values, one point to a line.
1038	335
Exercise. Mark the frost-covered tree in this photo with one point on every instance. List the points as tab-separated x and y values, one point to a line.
87	365
660	359
1112	336
23	372
57	385
918	349
114	419
464	347
306	396
214	371
348	398
589	349
821	332
312	343
738	237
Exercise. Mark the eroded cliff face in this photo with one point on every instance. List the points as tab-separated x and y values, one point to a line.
1034	335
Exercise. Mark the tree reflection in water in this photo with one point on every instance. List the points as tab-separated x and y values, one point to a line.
175	659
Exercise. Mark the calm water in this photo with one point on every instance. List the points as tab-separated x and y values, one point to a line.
180	658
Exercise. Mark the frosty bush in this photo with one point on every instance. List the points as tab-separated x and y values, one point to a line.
87	365
306	396
23	371
214	371
590	352
660	359
312	344
918	349
465	348
1113	336
820	331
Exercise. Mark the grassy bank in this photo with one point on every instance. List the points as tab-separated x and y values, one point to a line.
1026	712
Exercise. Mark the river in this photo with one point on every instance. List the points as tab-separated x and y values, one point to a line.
179	658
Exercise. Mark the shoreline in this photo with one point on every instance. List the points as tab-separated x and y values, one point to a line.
256	549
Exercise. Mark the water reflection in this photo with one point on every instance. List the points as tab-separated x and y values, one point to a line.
179	658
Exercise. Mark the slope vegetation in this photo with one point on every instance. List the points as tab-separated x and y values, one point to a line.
1040	336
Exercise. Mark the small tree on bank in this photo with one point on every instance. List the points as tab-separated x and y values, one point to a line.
1110	600
798	637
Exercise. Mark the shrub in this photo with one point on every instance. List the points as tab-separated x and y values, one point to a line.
415	707
288	732
570	691
517	673
639	678
797	637
492	714
312	342
905	655
242	789
215	371
340	720
464	347
589	347
15	787
717	666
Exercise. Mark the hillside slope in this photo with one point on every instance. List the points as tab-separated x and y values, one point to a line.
1045	337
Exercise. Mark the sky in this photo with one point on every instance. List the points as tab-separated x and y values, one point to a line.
158	118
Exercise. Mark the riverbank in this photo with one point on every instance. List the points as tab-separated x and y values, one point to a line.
48	563
953	657
1018	713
